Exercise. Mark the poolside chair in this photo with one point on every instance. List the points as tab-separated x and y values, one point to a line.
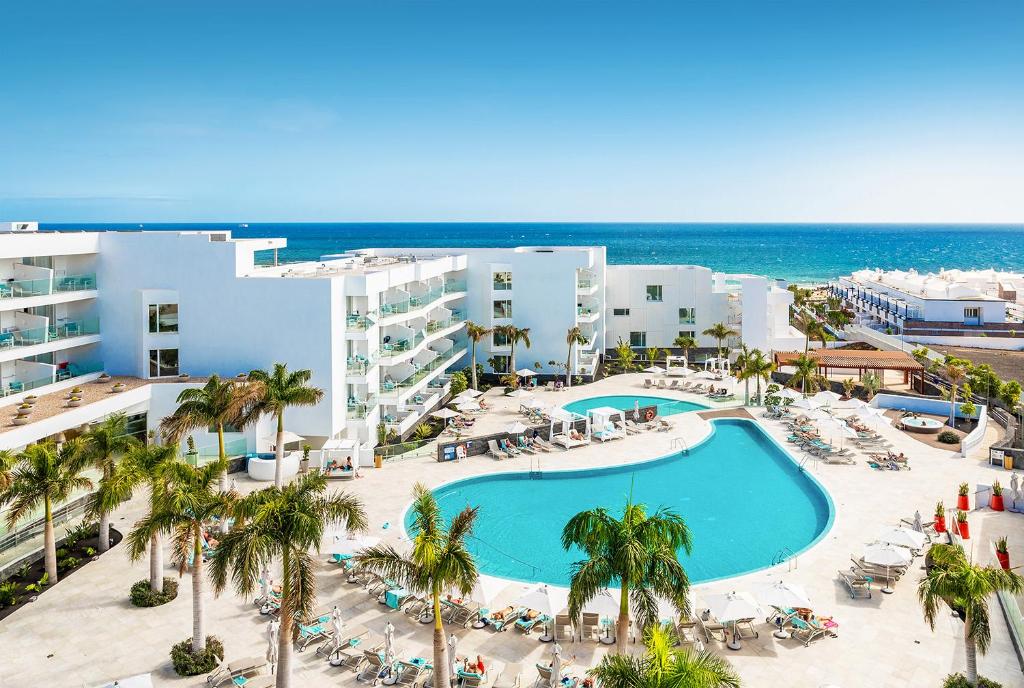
686	632
711	628
353	656
647	383
240	668
494	450
662	385
373	665
892	574
256	682
662	425
563	627
460	614
319	630
590	626
621	425
674	385
526	625
522	446
509	676
858	585
637	429
509	617
544	673
352	636
806	631
415	606
410	674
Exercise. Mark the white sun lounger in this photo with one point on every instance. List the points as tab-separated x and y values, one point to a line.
245	667
494	450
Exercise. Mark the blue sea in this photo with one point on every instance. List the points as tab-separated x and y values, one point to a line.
803	253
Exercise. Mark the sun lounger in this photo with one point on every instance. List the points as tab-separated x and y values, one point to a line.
248	666
509	676
621	425
410	674
508	617
674	384
662	385
460	614
372	666
806	631
711	629
544	444
568	442
857	584
522	446
528	624
354	655
544	673
590	626
353	634
257	682
686	632
564	627
637	429
494	450
647	383
893	573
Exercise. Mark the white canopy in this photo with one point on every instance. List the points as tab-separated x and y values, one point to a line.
534	404
806	403
347	546
518	394
444	414
789	393
488	588
903	537
602	415
560	415
287	438
783	595
887	555
733	606
849	404
516	428
826	397
525	372
468	406
471	393
544	599
654	370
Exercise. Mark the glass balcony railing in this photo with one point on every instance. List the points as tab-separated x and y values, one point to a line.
72	370
423	371
584	283
358	322
454	286
40	335
359	364
46	286
360	408
211	452
74	282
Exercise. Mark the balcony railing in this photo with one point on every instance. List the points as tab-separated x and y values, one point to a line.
46	286
358	364
358	322
584	283
41	335
360	408
454	286
73	370
423	371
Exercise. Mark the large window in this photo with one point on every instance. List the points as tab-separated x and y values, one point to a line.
503	308
163	317
163	362
972	313
500	339
637	339
654	292
687	316
502	281
620	311
686	333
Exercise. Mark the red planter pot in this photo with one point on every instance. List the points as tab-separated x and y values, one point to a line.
965	531
1004	559
940	524
995	502
962	503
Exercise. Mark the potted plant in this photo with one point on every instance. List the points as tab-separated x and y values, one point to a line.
118	387
995	502
962	502
1003	553
940	518
304	464
183	377
24	409
75	401
31	399
104	377
241	377
21	420
961	524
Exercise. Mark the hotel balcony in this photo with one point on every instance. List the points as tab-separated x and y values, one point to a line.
360	408
401	305
32	335
48	288
586	283
409	378
21	377
587	313
401	343
400	422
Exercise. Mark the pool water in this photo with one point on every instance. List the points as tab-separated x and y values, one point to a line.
745	501
627	402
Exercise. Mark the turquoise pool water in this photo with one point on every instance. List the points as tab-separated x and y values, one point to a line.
743	498
627	402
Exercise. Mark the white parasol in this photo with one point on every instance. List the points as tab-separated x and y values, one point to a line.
789	393
888	556
287	437
468	406
471	393
546	600
338	625
733	606
918	525
805	403
783	595
389	643
265	584
525	372
826	397
453	643
272	636
516	428
556	665
519	393
354	544
445	414
654	370
904	537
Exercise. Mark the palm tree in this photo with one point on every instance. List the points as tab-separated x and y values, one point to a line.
665	666
685	342
760	368
811	328
216	404
720	332
7	462
573	338
741	373
284	523
142	465
189	500
274	392
438	562
104	444
639	552
45	476
955	374
805	374
515	336
475	333
966	587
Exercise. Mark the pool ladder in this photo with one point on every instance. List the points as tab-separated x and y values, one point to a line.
680	444
786	556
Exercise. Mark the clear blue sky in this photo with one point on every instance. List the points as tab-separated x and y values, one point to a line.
787	111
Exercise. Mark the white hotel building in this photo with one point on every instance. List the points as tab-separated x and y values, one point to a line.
380	328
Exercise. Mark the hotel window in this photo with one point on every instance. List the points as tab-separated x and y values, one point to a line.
687	316
500	363
637	339
500	339
502	281
503	309
654	292
163	362
163	318
620	311
687	333
972	313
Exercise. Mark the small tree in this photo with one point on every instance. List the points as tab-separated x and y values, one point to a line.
685	343
475	333
871	383
720	332
458	383
573	338
955	374
625	355
849	384
1009	393
653	354
664	666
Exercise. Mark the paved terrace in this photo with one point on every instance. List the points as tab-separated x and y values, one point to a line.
85	631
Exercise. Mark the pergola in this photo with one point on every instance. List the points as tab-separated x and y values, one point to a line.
861	361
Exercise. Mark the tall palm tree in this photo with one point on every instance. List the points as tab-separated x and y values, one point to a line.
142	465
955	374
741	372
811	328
104	444
665	666
182	509
7	462
639	552
45	476
966	587
475	333
216	404
284	523
438	562
574	337
685	342
720	332
273	393
805	374
760	368
517	335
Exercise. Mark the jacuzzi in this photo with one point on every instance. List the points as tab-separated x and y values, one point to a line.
928	426
261	466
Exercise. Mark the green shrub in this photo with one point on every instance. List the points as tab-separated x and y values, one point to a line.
90	551
67	563
63	552
458	383
38	585
960	681
142	596
188	663
948	437
8	594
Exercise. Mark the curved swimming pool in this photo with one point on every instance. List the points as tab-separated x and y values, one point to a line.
744	499
627	402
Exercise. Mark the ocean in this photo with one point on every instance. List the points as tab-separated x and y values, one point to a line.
802	253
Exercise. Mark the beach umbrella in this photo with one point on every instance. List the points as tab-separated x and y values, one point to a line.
534	404
805	403
706	375
453	643
288	438
272	630
826	397
468	406
783	595
471	393
338	625
789	393
887	555
518	394
353	544
525	372
556	665
445	414
389	643
265	584
516	428
731	607
918	525
904	537
875	418
849	404
545	599
654	370
486	589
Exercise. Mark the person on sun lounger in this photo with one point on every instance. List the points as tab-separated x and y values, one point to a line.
575	435
502	614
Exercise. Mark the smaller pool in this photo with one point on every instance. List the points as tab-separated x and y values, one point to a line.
627	402
925	425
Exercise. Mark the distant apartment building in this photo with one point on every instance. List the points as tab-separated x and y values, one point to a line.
967	308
